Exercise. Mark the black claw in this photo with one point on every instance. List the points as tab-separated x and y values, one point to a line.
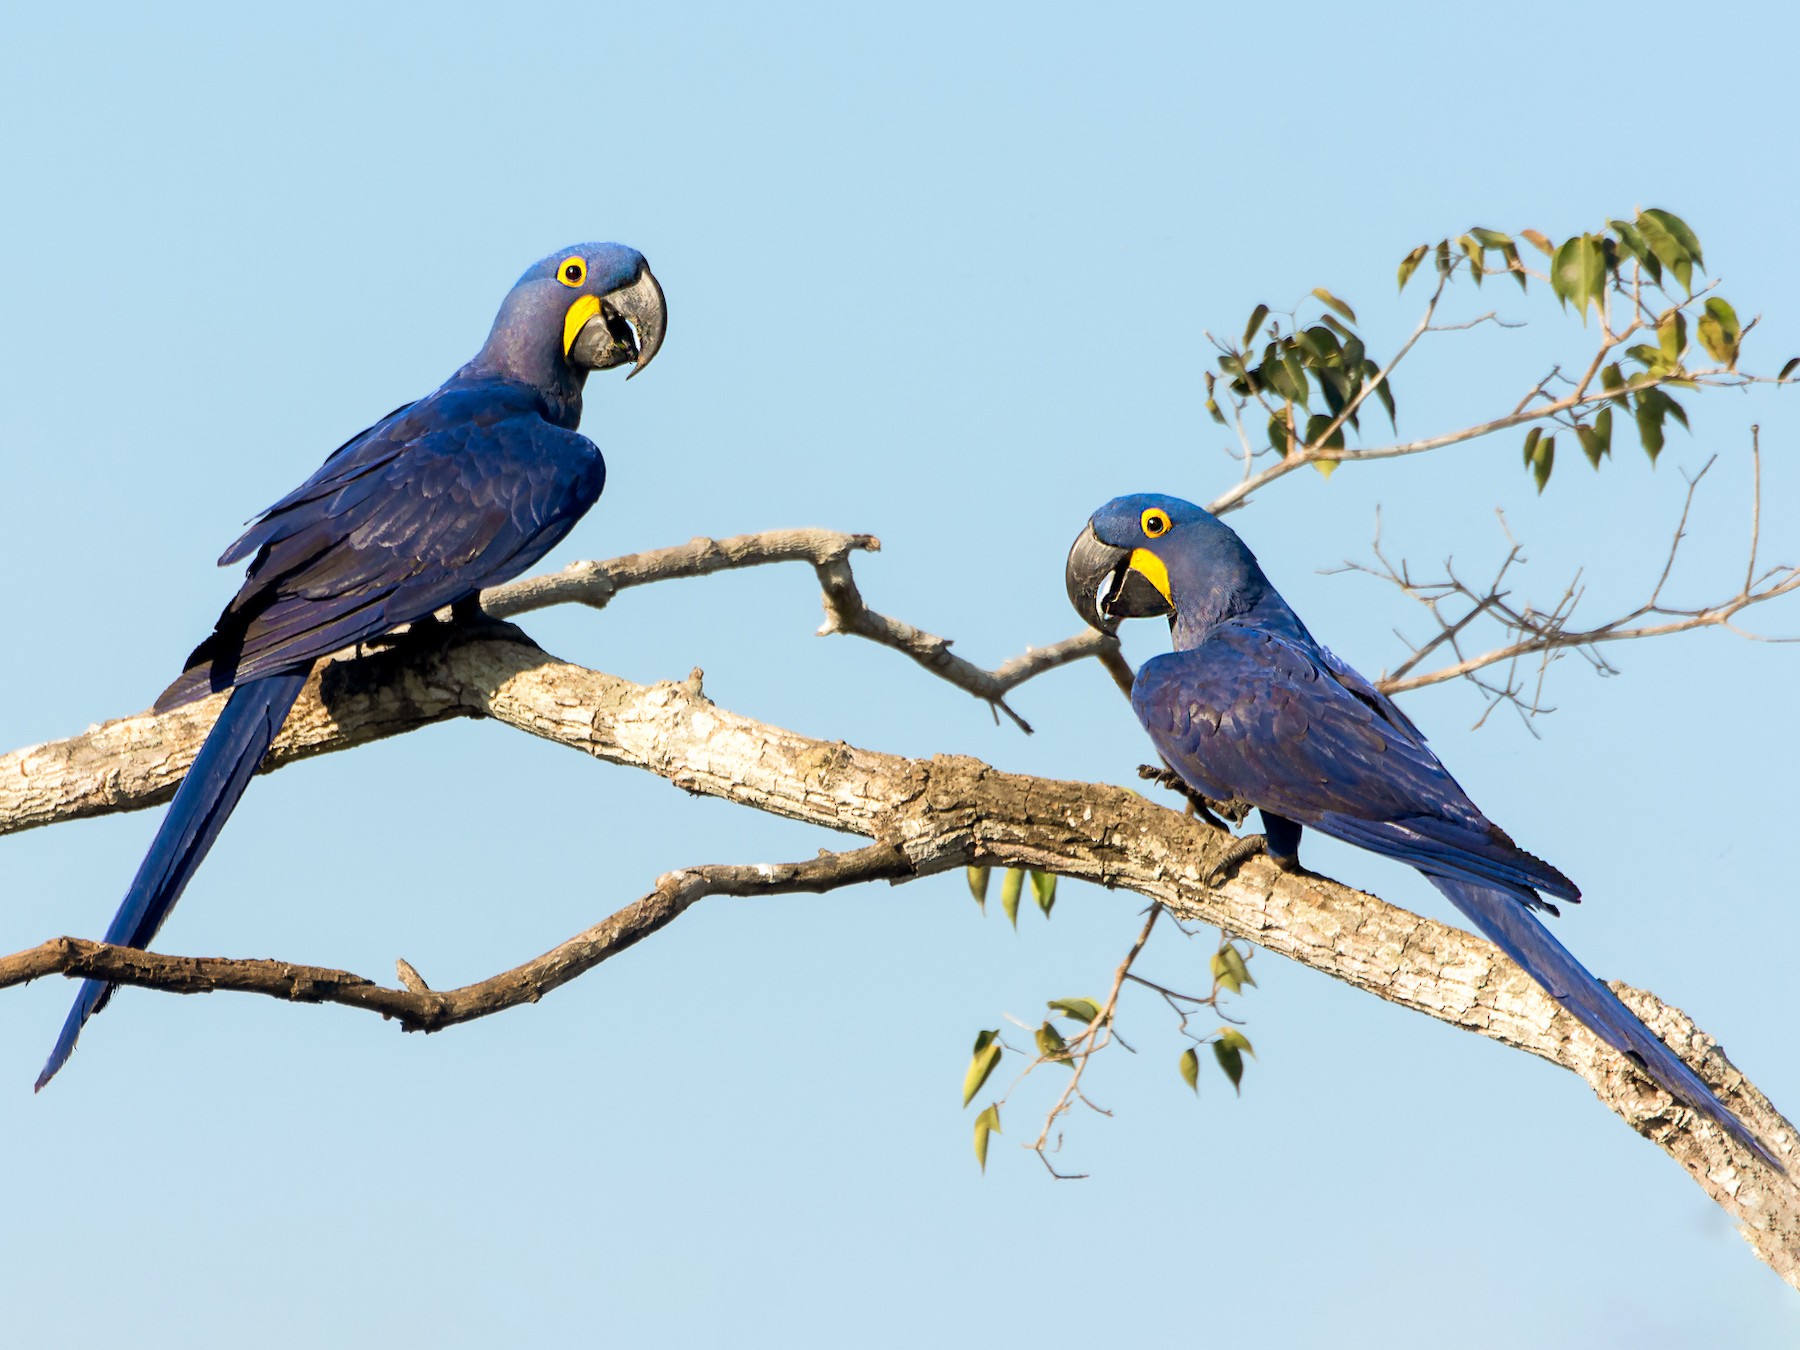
1240	851
1213	811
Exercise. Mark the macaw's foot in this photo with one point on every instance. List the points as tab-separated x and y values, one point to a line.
1236	854
419	633
469	622
465	625
1246	847
1209	809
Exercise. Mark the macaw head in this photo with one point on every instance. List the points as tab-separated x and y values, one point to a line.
1148	555
586	307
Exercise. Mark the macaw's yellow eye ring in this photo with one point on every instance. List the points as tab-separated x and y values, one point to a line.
1154	522
572	270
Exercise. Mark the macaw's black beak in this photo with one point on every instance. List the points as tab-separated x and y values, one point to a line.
628	327
1105	585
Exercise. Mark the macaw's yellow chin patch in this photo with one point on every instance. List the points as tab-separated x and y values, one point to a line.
576	319
1146	563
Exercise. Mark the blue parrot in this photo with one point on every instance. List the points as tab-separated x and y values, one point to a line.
462	490
1249	708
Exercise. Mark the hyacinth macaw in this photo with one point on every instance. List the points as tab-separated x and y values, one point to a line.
1248	707
464	489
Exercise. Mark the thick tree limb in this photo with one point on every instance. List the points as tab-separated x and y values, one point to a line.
941	814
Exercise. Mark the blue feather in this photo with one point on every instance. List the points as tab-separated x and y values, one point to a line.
1250	706
440	499
204	801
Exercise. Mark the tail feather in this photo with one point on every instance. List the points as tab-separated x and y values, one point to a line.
233	750
1506	921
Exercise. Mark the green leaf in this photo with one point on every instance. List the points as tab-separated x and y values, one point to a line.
988	1122
1229	970
1010	886
1543	459
1678	228
1321	343
1472	251
1792	365
1668	249
1190	1069
1532	438
1596	440
1443	257
1631	239
1578	273
1383	391
1326	468
1720	332
978	884
1043	890
1590	443
1671	336
1513	265
1649	414
1257	315
1278	437
1052	1046
1296	373
1236	1039
1649	357
1410	263
1229	1050
1315	428
986	1057
1490	238
1613	379
1330	301
1081	1009
1539	242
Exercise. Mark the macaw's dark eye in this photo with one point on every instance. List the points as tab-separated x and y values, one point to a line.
1155	522
572	271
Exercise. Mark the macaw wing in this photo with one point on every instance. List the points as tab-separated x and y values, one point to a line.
365	453
413	522
1288	727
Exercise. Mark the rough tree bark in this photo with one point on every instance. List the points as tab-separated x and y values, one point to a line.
925	816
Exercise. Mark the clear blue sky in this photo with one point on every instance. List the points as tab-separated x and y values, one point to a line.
940	274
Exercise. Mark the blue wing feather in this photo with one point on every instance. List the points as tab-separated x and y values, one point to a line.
1276	720
446	496
1286	725
438	500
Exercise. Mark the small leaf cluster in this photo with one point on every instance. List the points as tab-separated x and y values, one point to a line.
1012	888
1626	274
1230	973
1052	1047
1310	379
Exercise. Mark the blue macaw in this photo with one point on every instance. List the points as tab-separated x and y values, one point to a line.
462	490
1248	707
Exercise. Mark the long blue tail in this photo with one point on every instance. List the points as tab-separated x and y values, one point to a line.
203	802
1504	919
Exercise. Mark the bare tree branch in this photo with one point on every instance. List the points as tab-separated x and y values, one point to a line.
417	1007
945	813
1528	632
595	583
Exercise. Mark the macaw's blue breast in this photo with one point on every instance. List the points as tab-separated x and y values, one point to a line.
462	490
